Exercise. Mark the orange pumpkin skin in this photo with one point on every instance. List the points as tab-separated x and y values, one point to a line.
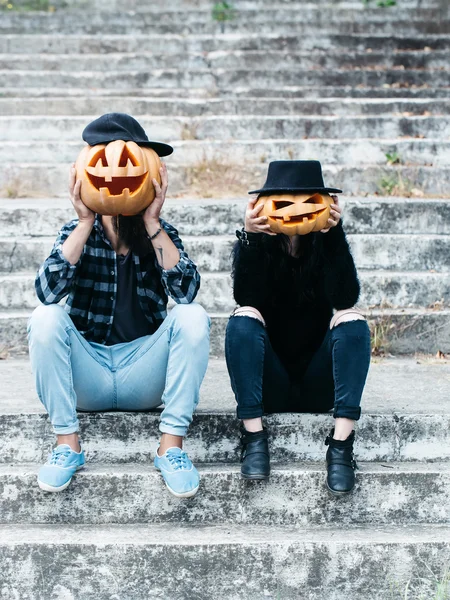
296	214
116	178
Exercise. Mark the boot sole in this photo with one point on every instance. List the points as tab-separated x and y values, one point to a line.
337	493
255	477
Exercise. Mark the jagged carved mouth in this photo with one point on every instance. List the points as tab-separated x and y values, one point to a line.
306	214
118	184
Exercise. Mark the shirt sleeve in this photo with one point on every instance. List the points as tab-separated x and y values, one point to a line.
55	276
182	281
250	277
341	279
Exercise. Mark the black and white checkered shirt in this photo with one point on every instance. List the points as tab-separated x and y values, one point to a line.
91	284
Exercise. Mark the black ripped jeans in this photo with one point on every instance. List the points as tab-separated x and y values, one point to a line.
334	378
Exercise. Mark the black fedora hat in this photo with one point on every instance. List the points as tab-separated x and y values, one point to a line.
294	176
120	126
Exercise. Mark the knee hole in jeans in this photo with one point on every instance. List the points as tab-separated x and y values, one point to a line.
345	316
249	311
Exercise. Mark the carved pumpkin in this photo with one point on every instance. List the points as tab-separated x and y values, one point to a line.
117	177
296	214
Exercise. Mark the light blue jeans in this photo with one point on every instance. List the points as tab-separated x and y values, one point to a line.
164	368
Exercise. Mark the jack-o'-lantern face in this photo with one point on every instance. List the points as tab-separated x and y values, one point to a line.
297	214
116	178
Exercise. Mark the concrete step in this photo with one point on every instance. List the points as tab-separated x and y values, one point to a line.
395	426
302	20
244	563
196	107
400	494
235	59
204	5
374	252
21	218
216	178
232	127
379	288
169	43
216	80
343	151
387	90
398	330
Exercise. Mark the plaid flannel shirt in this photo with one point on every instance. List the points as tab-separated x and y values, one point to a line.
91	284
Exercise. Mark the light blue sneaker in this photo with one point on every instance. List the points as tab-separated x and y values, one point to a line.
57	472
180	475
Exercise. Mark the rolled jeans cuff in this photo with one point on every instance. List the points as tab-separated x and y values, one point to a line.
173	429
67	429
250	412
347	412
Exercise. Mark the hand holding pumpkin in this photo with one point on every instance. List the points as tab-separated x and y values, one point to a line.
335	215
85	214
151	214
253	222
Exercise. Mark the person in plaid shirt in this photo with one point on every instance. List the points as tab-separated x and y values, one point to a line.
113	346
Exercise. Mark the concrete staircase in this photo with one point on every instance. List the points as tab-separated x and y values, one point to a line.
365	90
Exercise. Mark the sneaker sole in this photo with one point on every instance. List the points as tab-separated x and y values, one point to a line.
45	487
182	494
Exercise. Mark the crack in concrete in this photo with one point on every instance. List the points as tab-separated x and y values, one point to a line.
10	257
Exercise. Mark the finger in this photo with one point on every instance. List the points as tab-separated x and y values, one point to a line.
263	227
252	202
76	191
157	187
72	178
335	199
325	230
164	176
336	207
259	221
335	214
255	212
332	223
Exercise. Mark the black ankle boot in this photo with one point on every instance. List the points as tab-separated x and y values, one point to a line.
255	457
340	464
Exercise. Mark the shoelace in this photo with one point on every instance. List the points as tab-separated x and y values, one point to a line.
178	461
58	456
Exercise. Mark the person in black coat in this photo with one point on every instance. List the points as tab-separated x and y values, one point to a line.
296	343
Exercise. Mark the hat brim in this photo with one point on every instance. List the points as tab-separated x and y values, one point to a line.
160	148
269	191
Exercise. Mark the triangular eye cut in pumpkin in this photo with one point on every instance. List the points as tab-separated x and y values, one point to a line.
297	214
117	177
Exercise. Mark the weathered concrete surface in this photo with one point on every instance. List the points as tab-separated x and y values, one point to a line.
289	20
433	151
221	79
295	494
235	59
57	43
213	563
395	425
195	107
192	217
379	288
42	180
409	330
238	127
420	253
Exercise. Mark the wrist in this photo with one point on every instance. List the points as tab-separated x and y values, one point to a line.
86	222
152	225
